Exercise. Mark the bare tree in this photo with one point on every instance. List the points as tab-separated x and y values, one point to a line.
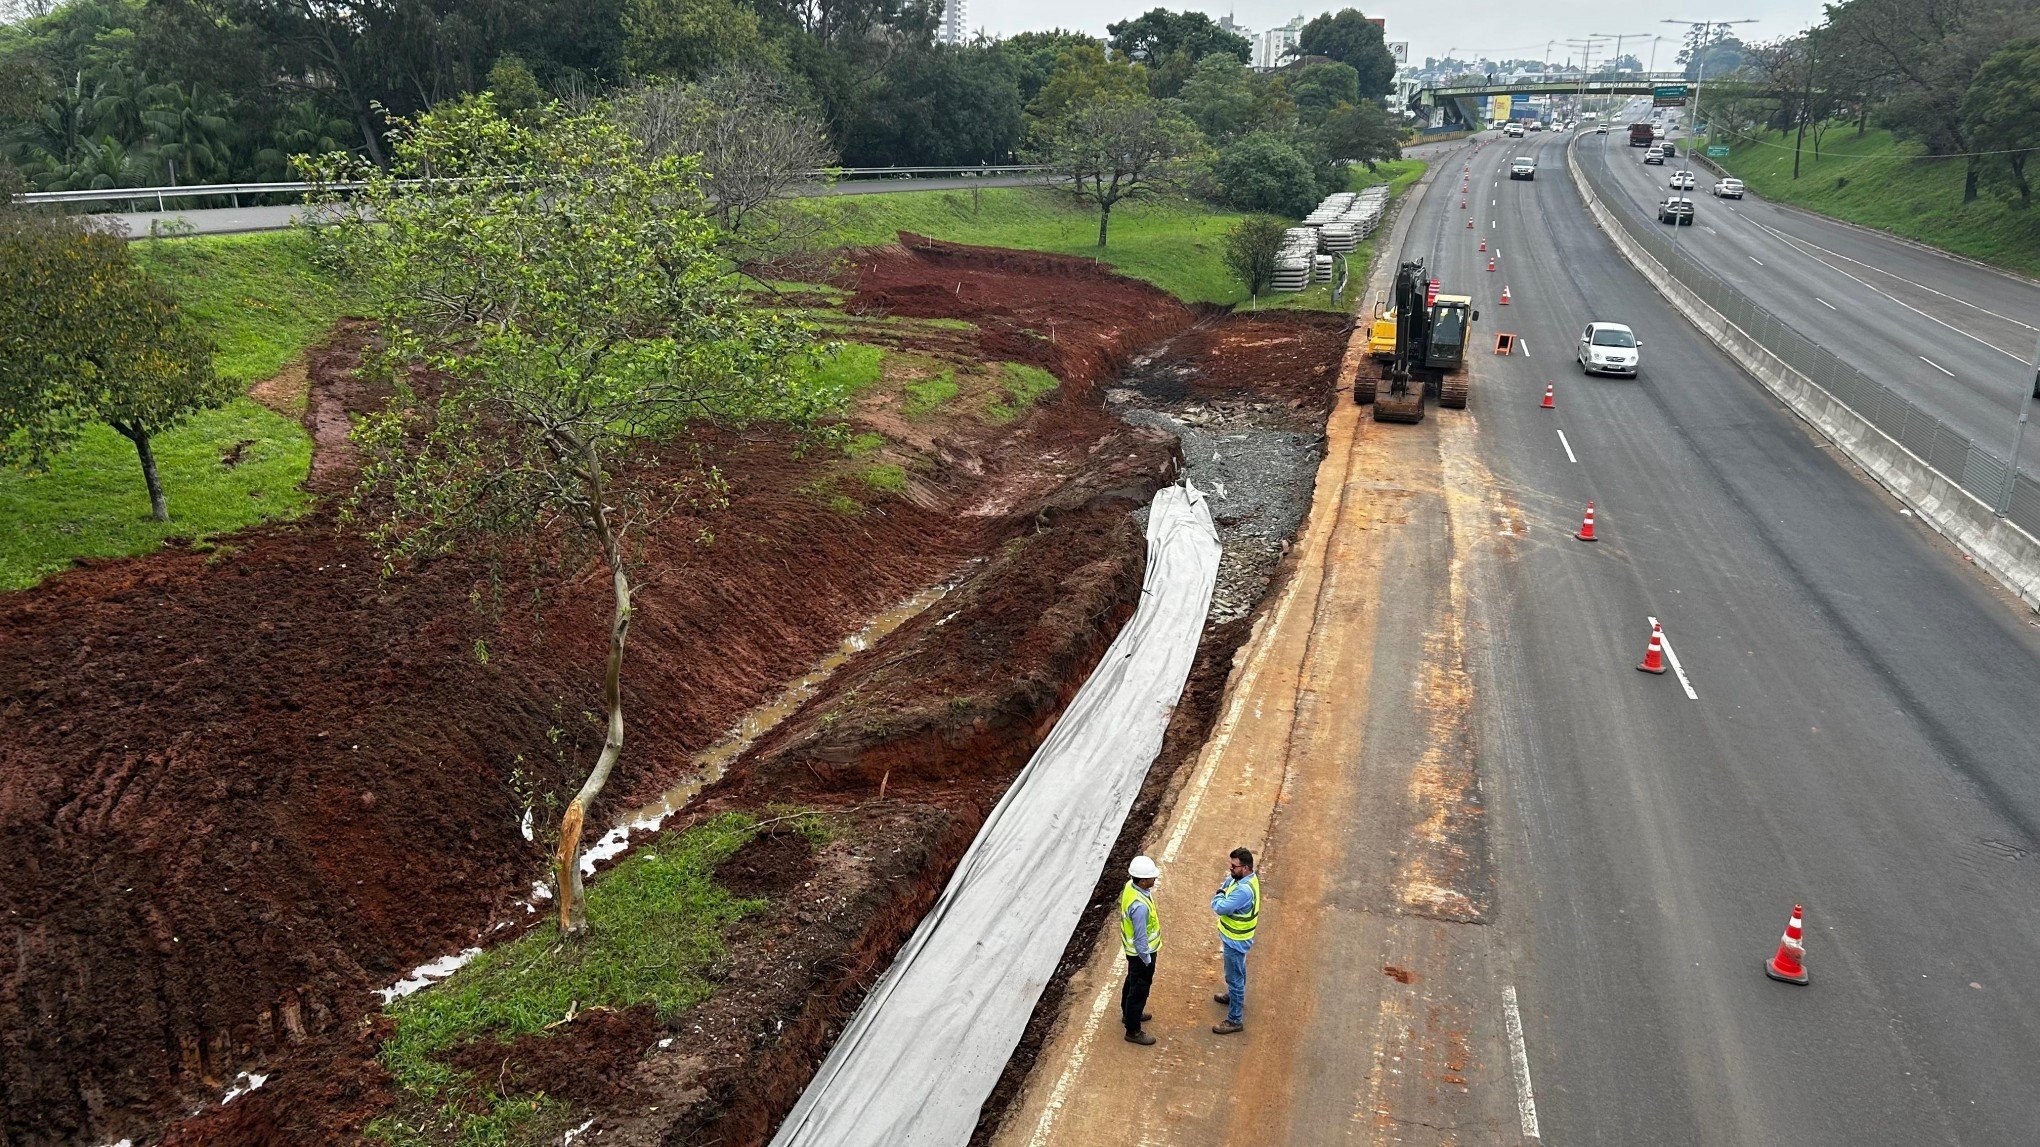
759	145
1115	147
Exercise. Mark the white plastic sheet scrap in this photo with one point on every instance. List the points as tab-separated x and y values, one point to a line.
919	1058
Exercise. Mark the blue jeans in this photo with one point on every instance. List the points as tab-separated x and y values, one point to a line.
1235	985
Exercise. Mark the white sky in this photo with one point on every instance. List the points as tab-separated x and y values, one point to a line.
1517	29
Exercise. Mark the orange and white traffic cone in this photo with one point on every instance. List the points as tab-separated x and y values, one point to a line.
1483	245
1491	265
1469	224
1789	965
1505	290
1547	404
1586	534
1654	657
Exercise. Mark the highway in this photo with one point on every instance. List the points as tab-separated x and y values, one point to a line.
235	220
1851	727
1955	337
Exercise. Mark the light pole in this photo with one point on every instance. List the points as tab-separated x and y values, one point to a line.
1616	60
1709	35
2019	434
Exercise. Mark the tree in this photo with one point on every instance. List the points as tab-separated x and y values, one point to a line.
1933	49
688	38
1118	147
1267	172
1353	40
551	303
1159	33
1219	98
1318	87
1034	56
2002	109
1360	133
1084	73
1250	249
946	104
91	338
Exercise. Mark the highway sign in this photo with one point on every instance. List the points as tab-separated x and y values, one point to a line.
1668	96
1716	151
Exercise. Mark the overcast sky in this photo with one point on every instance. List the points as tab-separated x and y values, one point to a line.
1499	30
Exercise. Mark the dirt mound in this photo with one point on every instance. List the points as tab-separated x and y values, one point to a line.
587	1059
772	863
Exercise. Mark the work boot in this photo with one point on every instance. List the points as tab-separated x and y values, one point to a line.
1220	998
1226	1027
1146	1016
1142	1038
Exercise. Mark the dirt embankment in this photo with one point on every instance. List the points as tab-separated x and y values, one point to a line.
249	786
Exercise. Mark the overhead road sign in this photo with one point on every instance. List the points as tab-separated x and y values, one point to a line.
1668	96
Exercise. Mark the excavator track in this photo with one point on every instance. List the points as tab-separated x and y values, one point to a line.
1363	390
1452	392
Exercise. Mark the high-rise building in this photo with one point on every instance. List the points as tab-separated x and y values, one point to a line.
955	21
1271	46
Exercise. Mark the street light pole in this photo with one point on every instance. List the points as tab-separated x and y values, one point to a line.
1709	31
2019	434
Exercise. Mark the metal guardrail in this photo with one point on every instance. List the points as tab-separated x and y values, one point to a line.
1984	473
234	191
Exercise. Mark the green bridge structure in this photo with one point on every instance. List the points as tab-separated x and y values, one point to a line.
1458	105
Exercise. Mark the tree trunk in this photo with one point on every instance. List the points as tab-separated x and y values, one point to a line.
1969	178
1104	219
159	506
573	903
2017	160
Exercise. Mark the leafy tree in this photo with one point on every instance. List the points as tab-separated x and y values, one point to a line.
1034	56
1219	98
1117	147
191	133
1250	249
564	297
2002	109
1353	40
1266	171
688	38
1360	133
91	338
1319	87
1159	33
511	83
944	105
1084	74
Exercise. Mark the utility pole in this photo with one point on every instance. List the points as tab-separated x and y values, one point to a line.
2019	435
1616	59
1708	34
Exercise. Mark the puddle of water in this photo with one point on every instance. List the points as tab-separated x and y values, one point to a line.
711	763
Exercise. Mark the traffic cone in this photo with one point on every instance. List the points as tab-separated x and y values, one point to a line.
1469	224
1462	204
1505	290
1586	532
1654	657
1491	266
1789	965
1547	404
1483	244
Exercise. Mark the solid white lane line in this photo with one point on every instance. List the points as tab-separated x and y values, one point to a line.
1568	448
1673	660
1823	302
1864	283
1754	259
1936	365
1519	1061
1901	278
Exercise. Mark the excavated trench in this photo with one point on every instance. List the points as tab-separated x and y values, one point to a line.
906	745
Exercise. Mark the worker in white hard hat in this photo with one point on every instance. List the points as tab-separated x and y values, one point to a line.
1140	937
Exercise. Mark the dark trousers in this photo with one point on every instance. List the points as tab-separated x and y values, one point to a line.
1133	997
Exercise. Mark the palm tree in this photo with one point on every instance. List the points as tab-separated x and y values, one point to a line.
303	128
121	101
191	132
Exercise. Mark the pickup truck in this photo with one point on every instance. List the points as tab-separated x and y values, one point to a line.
1641	134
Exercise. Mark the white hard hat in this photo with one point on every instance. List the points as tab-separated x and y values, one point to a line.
1143	869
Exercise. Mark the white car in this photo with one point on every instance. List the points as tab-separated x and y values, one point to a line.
1525	167
1728	189
1609	348
1682	181
1654	154
1601	130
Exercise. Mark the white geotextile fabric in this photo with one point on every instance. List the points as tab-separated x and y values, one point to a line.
918	1059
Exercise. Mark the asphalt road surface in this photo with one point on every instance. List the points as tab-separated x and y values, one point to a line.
230	220
1955	337
1567	943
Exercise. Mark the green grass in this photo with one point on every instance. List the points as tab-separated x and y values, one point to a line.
885	478
1174	244
91	501
657	921
1877	182
261	302
925	396
848	368
1023	386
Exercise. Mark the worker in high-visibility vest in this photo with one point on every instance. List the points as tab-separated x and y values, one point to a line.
1140	938
1238	905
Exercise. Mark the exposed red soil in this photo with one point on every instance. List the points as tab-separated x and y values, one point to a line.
243	789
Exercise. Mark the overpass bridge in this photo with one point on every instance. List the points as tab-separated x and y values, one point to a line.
1460	103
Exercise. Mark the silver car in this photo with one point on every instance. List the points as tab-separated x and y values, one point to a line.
1610	348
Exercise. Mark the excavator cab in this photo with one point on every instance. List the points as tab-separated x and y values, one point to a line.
1422	353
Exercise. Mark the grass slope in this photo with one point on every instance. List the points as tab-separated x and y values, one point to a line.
1174	244
261	301
1877	181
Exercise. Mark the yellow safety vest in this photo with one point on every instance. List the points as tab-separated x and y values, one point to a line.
1241	927
1127	897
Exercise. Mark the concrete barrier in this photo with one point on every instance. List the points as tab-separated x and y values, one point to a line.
2006	552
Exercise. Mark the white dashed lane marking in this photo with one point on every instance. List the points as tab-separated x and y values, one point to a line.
1754	259
1937	366
1568	448
1823	302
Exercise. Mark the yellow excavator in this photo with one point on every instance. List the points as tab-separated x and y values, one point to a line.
1426	355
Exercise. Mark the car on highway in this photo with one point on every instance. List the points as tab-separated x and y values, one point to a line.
1609	348
1655	155
1727	189
1669	148
1536	125
1601	130
1514	131
1525	167
1682	181
1676	210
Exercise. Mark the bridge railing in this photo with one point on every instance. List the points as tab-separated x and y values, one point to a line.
233	191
